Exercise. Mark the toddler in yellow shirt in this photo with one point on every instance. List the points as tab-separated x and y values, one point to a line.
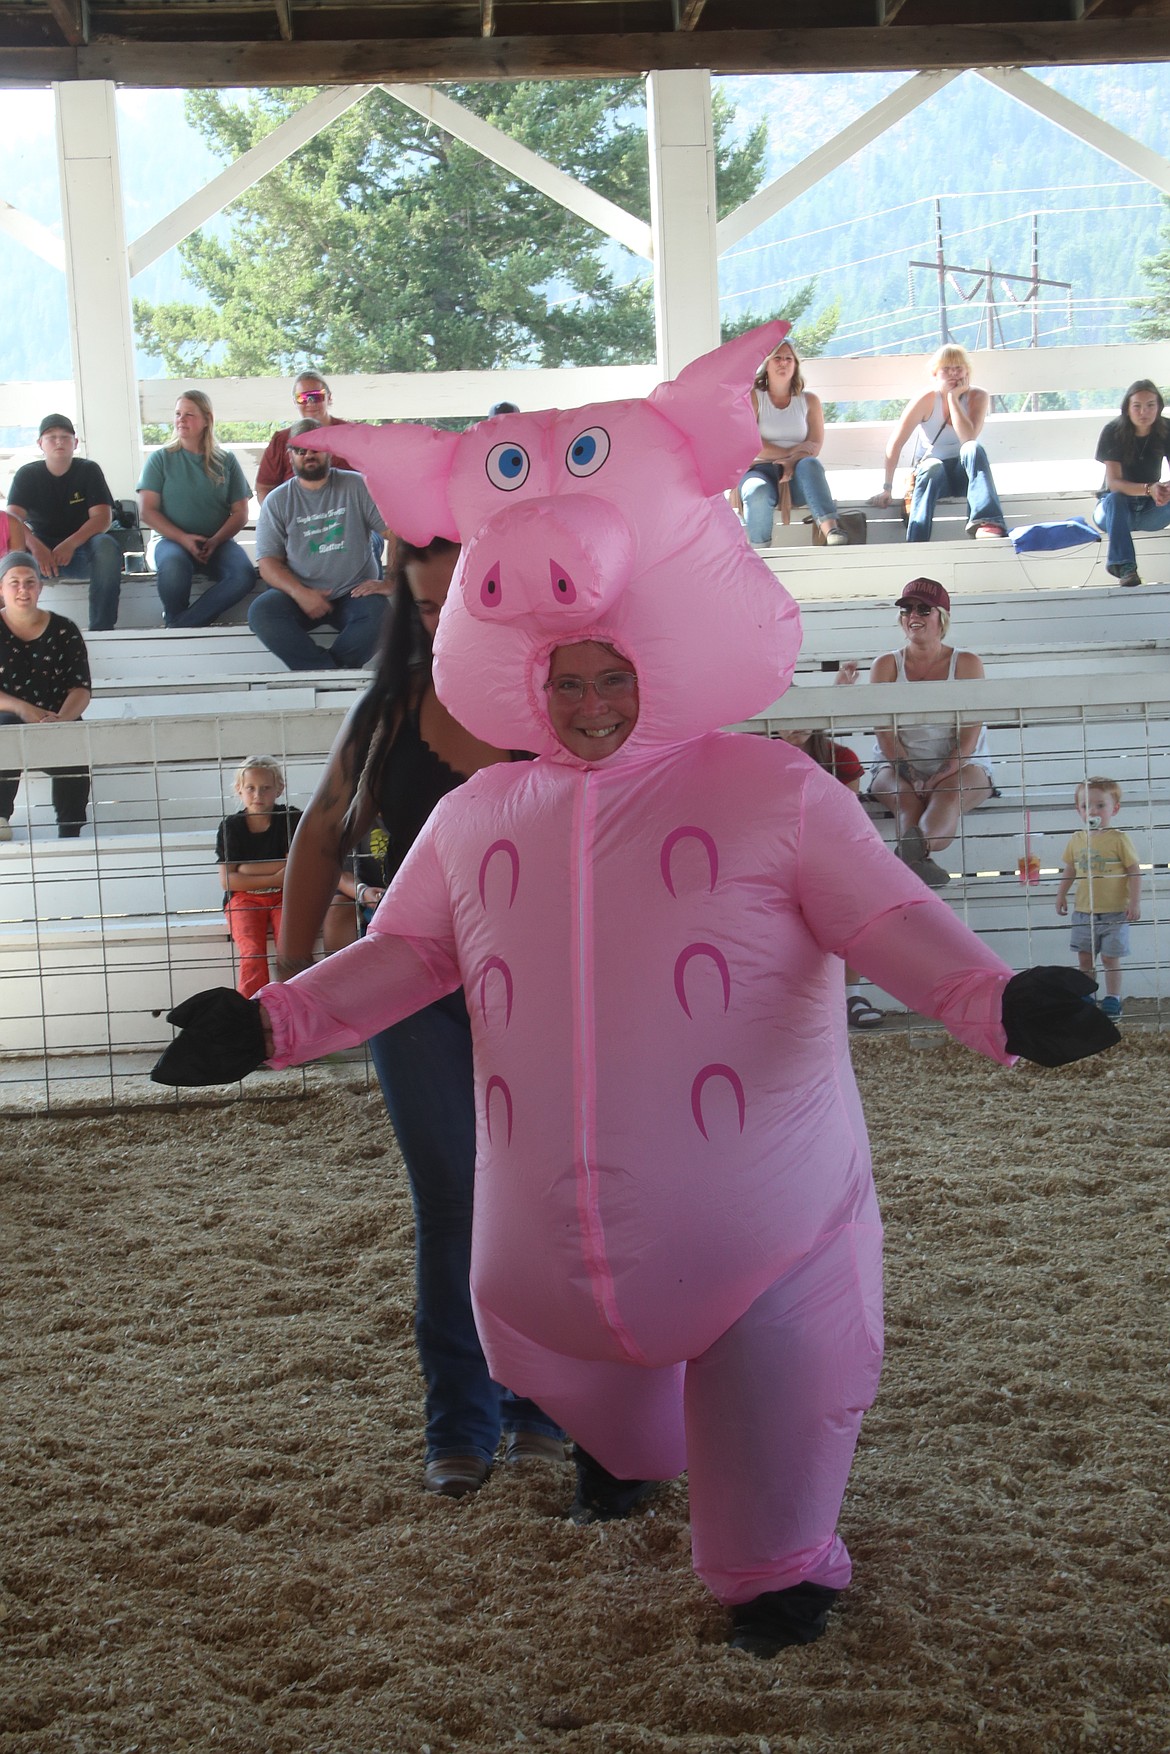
1108	897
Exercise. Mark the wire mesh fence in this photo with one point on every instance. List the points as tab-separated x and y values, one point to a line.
100	936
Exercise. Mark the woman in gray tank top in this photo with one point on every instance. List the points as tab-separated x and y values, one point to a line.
947	458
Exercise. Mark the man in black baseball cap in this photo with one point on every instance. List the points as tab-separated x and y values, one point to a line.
67	507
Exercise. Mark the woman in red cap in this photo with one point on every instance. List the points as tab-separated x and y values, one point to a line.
928	776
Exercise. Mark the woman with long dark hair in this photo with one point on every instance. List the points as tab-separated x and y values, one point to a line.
792	432
1133	496
397	754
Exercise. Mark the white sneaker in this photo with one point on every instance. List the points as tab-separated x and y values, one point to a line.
5	828
836	539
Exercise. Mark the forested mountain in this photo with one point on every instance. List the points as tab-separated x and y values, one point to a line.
992	161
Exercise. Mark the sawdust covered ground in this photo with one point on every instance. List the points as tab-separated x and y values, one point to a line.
214	1537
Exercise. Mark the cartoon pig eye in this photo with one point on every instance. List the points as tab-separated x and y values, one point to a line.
507	466
588	451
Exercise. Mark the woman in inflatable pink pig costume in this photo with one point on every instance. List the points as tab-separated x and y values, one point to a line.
676	1245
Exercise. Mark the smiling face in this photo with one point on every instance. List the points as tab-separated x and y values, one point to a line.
918	619
592	699
20	591
189	423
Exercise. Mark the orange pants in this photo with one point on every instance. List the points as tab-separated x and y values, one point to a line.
248	916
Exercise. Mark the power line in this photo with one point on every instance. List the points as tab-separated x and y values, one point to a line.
973	195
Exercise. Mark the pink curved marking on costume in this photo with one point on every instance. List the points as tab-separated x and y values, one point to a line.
491	591
497	1083
680	972
499	846
704	840
499	963
563	588
716	1071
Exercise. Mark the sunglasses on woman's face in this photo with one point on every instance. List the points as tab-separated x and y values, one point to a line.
305	397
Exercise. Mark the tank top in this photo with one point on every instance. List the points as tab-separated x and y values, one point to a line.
929	746
782	426
413	780
936	436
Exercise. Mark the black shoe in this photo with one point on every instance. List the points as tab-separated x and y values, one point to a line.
601	1496
779	1618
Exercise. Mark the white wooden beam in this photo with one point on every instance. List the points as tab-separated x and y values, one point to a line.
520	162
402	395
33	235
284	20
681	142
246	171
101	332
826	159
1082	123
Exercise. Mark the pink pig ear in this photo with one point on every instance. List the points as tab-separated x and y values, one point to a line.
709	403
406	468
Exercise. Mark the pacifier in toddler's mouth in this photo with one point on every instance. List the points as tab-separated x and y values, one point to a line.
1093	821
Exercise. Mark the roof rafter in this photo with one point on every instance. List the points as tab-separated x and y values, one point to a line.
72	19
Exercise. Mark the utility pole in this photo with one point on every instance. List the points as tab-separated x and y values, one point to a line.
983	280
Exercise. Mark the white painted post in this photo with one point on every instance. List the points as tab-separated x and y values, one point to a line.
98	282
682	217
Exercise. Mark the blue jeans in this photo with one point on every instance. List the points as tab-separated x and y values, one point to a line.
100	561
425	1069
760	492
231	572
1119	515
284	628
969	473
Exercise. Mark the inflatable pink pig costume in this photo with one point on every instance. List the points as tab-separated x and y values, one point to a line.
677	1248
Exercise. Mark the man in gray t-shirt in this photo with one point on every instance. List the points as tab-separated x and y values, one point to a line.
313	549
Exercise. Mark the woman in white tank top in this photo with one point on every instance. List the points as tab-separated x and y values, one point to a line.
792	431
929	776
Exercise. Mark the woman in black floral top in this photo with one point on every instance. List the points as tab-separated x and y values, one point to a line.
44	679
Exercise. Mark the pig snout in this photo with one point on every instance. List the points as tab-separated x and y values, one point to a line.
557	562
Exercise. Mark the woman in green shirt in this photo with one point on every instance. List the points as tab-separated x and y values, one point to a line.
194	496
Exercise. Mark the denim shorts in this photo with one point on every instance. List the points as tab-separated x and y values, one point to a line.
1103	934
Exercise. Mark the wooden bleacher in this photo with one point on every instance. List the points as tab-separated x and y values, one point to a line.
99	937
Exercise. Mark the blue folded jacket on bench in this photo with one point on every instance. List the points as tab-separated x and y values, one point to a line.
1046	538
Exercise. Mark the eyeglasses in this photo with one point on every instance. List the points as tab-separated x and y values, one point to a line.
613	685
923	609
304	397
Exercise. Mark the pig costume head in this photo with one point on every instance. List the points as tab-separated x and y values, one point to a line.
603	523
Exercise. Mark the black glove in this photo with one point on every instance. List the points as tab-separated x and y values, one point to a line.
222	1040
1050	1017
